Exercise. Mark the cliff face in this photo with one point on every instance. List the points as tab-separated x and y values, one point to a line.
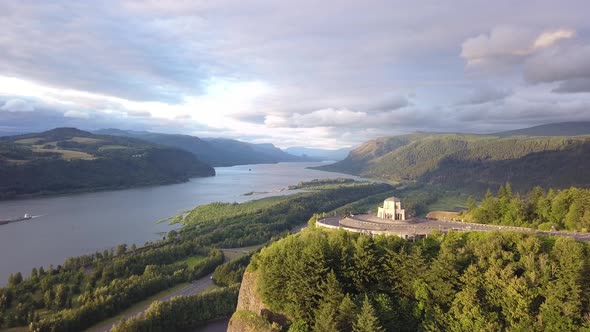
248	298
252	315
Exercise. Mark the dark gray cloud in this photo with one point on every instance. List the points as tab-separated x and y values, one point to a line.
559	64
574	86
484	95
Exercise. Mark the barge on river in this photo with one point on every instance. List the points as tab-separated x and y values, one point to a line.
8	221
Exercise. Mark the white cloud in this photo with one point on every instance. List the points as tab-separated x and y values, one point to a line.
17	105
76	114
549	38
141	114
509	44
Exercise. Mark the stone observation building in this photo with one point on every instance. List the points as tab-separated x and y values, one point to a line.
392	209
391	220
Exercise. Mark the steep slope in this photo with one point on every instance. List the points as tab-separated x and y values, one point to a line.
472	160
551	129
214	151
65	160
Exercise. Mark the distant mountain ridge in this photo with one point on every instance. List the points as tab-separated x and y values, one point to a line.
66	160
322	154
472	161
214	151
551	129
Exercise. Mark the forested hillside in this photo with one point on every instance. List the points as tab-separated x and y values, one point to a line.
214	151
323	280
472	161
66	160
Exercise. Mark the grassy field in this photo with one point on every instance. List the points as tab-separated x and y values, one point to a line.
192	261
112	147
67	154
232	253
28	141
450	202
86	140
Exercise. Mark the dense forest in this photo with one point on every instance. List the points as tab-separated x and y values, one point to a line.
567	209
88	289
472	162
340	281
67	160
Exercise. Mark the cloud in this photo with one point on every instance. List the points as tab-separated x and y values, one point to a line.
76	114
17	105
183	117
484	95
559	64
549	38
509	44
141	114
573	86
345	118
330	73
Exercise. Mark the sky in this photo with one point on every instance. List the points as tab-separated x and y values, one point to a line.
324	74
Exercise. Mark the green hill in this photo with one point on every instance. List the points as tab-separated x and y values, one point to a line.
472	161
66	160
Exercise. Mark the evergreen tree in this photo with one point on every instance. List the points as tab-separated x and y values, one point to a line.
366	320
346	314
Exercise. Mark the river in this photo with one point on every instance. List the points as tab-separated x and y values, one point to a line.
80	224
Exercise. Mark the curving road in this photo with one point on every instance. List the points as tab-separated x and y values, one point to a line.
196	286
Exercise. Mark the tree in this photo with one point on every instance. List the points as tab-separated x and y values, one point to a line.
121	249
15	279
346	314
366	320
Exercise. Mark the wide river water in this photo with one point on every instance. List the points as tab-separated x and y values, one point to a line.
79	224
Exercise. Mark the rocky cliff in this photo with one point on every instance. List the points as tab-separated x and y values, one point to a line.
252	315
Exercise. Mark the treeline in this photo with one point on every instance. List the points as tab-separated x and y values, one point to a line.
341	281
183	312
567	209
321	183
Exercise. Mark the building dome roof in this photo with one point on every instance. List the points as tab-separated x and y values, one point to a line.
392	199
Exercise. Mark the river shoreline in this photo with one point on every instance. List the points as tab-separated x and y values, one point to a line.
81	224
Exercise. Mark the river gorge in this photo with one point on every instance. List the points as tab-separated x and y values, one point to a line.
80	224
